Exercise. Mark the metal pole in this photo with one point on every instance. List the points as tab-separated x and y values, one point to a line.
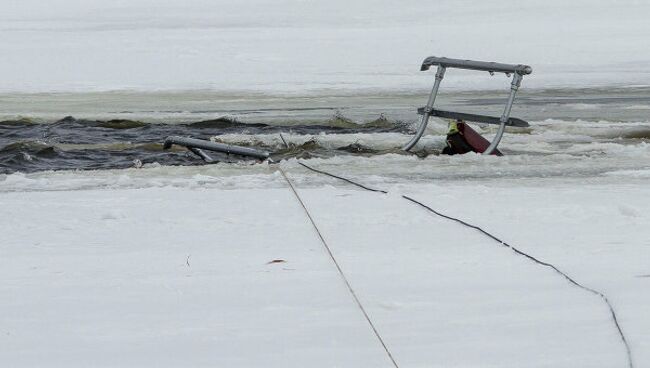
427	109
214	146
514	86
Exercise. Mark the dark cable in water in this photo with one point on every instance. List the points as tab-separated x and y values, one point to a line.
503	243
339	269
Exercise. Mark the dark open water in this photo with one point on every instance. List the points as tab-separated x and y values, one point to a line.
115	130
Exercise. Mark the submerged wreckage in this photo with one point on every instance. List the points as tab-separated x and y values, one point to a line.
474	141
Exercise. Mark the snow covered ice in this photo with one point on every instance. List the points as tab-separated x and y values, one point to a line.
172	266
178	275
296	46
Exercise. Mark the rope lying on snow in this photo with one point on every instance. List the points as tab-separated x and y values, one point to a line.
503	243
338	267
344	179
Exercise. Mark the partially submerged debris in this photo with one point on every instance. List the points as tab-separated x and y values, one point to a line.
276	261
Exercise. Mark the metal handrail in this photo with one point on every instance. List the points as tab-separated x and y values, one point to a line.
487	66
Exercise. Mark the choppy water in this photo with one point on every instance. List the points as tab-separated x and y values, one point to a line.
93	144
121	130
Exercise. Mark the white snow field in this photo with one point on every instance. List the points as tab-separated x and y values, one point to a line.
170	267
299	45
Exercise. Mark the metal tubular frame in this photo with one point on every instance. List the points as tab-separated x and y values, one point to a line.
514	86
519	70
440	74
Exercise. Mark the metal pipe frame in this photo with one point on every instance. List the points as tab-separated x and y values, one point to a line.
514	86
440	74
519	70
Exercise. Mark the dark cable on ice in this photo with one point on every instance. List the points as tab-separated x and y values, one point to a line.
344	179
503	243
339	269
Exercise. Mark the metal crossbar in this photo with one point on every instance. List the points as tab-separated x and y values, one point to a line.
487	66
475	117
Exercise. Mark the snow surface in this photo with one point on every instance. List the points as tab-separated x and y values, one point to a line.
174	270
172	266
298	45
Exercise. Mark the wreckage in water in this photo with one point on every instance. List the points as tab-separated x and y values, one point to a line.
475	142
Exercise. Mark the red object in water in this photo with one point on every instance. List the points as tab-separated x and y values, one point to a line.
475	140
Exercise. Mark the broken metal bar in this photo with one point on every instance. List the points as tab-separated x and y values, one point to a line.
214	146
199	152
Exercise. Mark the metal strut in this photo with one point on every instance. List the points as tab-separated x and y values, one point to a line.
514	86
427	109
